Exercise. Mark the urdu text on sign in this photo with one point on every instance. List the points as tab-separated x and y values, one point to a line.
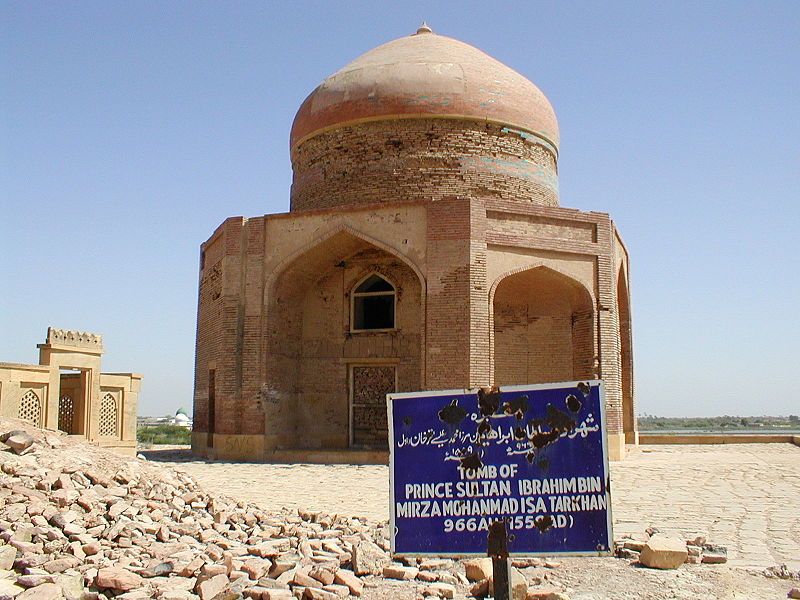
532	455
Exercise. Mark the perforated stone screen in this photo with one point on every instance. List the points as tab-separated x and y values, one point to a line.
66	414
30	408
107	425
370	386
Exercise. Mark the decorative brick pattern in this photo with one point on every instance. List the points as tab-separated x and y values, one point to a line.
371	384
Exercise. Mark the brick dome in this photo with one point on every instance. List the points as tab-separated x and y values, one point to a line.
421	76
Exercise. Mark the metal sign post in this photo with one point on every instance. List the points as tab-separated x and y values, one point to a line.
497	549
532	457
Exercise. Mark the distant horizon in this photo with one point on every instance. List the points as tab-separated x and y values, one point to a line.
649	416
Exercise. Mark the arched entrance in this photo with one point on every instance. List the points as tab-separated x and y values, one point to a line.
543	328
344	327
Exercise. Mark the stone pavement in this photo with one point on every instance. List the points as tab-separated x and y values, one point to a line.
743	496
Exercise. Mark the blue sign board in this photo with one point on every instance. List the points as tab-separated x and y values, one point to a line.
533	455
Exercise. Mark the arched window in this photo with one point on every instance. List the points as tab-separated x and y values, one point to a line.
30	408
373	304
107	424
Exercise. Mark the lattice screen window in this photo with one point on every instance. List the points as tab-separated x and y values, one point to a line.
370	386
66	414
107	425
30	408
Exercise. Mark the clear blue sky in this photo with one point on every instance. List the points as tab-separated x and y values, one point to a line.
130	130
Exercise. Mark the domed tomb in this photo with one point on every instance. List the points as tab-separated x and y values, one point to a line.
424	117
425	250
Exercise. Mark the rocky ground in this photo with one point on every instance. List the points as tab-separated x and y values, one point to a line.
80	523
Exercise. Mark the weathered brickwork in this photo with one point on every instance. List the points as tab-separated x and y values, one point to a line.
370	384
478	305
492	282
421	159
513	224
629	424
479	311
448	303
542	329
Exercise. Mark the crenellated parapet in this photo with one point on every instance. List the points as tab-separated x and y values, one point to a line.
74	338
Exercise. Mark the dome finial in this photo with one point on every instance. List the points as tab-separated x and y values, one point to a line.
424	28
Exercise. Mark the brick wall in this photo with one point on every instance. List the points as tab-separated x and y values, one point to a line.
609	353
542	329
227	336
515	224
626	353
311	345
413	159
277	330
448	303
209	323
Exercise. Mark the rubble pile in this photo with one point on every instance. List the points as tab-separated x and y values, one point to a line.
79	522
781	572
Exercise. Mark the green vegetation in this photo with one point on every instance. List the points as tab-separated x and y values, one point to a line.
163	434
724	423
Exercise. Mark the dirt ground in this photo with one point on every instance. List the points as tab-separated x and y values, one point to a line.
362	491
617	579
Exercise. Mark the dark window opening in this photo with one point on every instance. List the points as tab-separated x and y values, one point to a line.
374	304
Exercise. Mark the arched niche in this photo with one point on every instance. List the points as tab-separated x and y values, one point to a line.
314	355
543	328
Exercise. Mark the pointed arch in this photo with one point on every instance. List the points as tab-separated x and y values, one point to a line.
30	408
328	236
540	265
108	416
373	300
543	327
309	341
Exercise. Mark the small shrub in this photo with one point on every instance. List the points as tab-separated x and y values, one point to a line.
164	434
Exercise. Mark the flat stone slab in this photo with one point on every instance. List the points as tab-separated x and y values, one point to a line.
663	552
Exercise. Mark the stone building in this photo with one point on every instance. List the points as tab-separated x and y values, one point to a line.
425	248
67	391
